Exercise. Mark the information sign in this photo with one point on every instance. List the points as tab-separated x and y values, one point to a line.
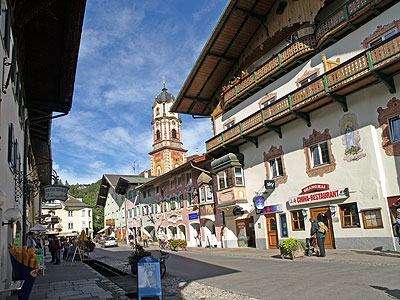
270	209
193	216
56	192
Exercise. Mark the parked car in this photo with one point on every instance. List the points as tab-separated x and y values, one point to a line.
109	242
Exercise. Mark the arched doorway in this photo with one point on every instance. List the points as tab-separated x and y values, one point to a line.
181	234
150	231
195	235
210	235
171	232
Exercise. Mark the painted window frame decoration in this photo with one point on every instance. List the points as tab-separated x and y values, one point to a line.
267	100
352	215
308	75
229	123
381	31
392	110
275	153
318	138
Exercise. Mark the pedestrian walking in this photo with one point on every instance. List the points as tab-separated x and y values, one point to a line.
320	231
145	239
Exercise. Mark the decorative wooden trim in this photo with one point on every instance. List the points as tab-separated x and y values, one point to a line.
275	153
329	64
315	138
392	110
379	31
229	121
266	98
307	74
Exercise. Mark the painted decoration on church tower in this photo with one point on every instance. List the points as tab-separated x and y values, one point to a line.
351	138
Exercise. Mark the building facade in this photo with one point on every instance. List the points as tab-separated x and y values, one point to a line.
306	122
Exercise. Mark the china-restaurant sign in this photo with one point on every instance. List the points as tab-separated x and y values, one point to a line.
321	196
56	192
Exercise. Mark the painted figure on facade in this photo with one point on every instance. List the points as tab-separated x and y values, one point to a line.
351	138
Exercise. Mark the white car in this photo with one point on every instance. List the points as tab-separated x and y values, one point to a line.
109	242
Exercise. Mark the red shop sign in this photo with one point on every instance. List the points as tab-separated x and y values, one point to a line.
315	187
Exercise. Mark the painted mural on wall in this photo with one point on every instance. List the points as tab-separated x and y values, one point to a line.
351	138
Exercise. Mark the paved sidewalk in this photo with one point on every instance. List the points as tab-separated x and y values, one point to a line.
73	281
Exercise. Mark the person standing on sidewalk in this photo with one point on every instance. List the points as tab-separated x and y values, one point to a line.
397	225
145	240
57	249
315	229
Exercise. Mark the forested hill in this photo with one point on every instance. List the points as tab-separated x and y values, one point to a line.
88	193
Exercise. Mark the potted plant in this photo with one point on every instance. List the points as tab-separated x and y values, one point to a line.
137	255
175	244
292	248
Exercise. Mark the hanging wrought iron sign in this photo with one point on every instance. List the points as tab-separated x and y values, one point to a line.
259	202
56	192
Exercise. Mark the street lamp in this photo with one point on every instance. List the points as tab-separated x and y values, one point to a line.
11	215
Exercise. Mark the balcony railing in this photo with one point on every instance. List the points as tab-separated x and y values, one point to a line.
342	78
293	54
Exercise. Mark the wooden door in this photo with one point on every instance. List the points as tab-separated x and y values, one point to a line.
272	231
314	213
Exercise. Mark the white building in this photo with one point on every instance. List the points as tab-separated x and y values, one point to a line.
316	112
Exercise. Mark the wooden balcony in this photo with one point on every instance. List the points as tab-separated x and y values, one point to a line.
377	64
344	20
110	222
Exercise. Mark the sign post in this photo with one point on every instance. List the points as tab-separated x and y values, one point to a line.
149	278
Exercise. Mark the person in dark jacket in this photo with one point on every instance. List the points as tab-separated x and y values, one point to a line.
320	236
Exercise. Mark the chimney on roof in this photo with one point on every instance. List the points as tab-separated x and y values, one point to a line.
146	174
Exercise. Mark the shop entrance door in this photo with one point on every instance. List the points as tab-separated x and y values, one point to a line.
324	211
272	231
245	232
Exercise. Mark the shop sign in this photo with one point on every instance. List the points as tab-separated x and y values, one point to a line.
56	192
237	211
270	209
259	202
315	187
319	197
194	216
269	185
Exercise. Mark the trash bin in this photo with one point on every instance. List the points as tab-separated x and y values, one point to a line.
149	279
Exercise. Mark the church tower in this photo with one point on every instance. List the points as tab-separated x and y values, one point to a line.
168	152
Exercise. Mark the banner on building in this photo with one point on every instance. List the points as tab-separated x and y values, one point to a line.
319	197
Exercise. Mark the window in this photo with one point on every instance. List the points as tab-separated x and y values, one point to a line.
308	79
134	212
172	184
90	224
173	133
158	135
276	167
89	213
148	193
163	109
202	195
167	205
230	125
268	102
143	211
70	213
83	213
129	213
383	37
159	207
179	181
297	220
188	178
83	224
181	201
372	219
284	229
157	189
209	193
70	225
230	177
173	203
190	199
394	128
349	215
319	154
157	111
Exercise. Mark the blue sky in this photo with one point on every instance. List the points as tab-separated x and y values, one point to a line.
126	48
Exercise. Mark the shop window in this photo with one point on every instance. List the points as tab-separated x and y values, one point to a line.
274	164
372	219
319	154
349	215
318	151
284	229
394	128
297	220
173	133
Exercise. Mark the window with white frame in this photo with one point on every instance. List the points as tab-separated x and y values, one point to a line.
70	213
202	195
83	224
383	37
209	193
394	129
230	177
276	167
180	202
319	154
190	198
70	225
167	204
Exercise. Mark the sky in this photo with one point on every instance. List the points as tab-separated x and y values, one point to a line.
127	46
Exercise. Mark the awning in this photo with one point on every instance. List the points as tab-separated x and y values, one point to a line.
103	230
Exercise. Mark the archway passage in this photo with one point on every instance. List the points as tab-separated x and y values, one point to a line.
150	231
210	236
181	232
195	235
171	232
